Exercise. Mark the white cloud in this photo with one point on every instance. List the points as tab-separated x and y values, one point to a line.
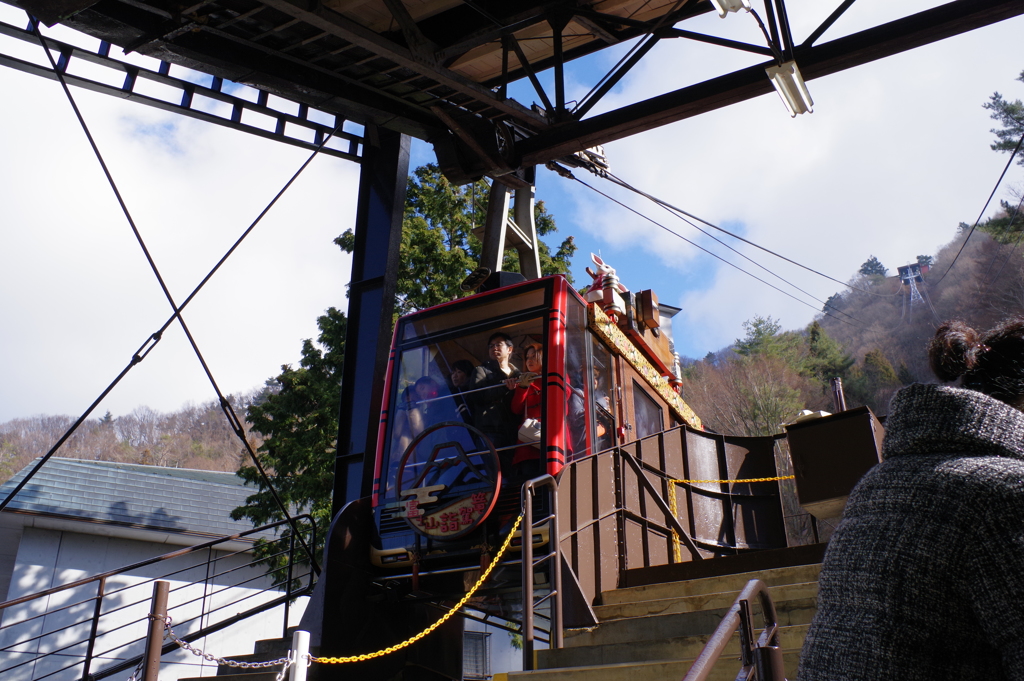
79	296
895	154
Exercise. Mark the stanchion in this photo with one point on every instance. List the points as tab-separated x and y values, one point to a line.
300	652
155	642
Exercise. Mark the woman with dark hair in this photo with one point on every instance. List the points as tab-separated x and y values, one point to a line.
526	404
924	574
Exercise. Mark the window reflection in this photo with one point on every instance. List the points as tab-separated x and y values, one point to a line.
460	380
603	396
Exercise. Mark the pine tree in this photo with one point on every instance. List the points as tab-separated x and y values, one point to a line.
872	266
1011	116
298	415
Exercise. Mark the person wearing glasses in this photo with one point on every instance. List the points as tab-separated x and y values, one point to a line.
492	413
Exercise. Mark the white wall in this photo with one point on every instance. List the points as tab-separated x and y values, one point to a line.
47	558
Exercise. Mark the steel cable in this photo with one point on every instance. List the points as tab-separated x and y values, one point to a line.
625	185
698	246
745	257
232	417
984	208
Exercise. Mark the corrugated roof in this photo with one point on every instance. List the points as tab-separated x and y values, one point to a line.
167	499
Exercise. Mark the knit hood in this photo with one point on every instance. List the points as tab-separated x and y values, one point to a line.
928	419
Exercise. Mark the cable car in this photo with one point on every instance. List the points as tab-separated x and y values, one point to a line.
491	390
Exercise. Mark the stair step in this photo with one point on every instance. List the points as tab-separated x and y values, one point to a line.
725	670
273	646
657	627
791	638
228	670
240	675
736	582
711	601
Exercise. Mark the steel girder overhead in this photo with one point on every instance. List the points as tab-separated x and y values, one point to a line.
439	69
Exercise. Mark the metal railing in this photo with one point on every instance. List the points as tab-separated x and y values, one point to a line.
761	658
554	564
95	627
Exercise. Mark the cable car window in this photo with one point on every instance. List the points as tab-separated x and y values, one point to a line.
575	369
460	382
646	412
603	401
462	316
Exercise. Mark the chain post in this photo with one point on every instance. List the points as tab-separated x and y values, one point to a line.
154	643
300	655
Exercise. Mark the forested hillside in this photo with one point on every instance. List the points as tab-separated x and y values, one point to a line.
193	437
873	336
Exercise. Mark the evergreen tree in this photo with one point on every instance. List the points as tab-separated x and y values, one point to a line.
826	358
439	247
833	303
925	260
872	266
298	419
1011	116
298	415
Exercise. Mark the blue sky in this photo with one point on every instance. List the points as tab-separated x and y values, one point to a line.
894	156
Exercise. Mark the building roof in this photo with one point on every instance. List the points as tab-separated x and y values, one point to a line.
151	497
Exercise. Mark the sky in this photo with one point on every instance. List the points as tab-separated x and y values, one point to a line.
895	155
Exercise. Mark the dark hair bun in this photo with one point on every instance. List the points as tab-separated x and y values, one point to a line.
953	351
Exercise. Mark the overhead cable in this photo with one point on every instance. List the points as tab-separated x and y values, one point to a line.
625	185
1009	255
685	219
984	208
155	337
698	246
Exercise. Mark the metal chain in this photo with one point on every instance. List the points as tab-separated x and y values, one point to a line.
185	645
735	482
136	675
454	609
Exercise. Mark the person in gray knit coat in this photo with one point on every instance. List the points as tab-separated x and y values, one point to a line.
924	577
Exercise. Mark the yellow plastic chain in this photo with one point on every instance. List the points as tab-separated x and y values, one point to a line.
677	554
735	482
458	606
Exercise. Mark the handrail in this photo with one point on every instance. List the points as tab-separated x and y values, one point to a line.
554	564
158	559
661	503
762	659
106	614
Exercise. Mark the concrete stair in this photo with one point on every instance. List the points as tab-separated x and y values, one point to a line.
656	631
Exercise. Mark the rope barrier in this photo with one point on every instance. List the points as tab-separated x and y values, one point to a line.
458	606
291	659
677	554
735	482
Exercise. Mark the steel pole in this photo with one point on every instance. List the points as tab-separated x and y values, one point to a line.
154	643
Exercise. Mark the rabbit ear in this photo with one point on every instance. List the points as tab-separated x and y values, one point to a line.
597	259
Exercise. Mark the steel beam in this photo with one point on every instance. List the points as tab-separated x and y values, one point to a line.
346	145
860	48
371	303
346	29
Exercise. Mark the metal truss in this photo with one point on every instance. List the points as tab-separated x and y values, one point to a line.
296	129
440	71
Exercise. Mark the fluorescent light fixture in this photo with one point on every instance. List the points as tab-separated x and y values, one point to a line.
790	85
726	6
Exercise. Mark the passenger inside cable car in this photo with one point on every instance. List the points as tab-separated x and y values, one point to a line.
489	391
